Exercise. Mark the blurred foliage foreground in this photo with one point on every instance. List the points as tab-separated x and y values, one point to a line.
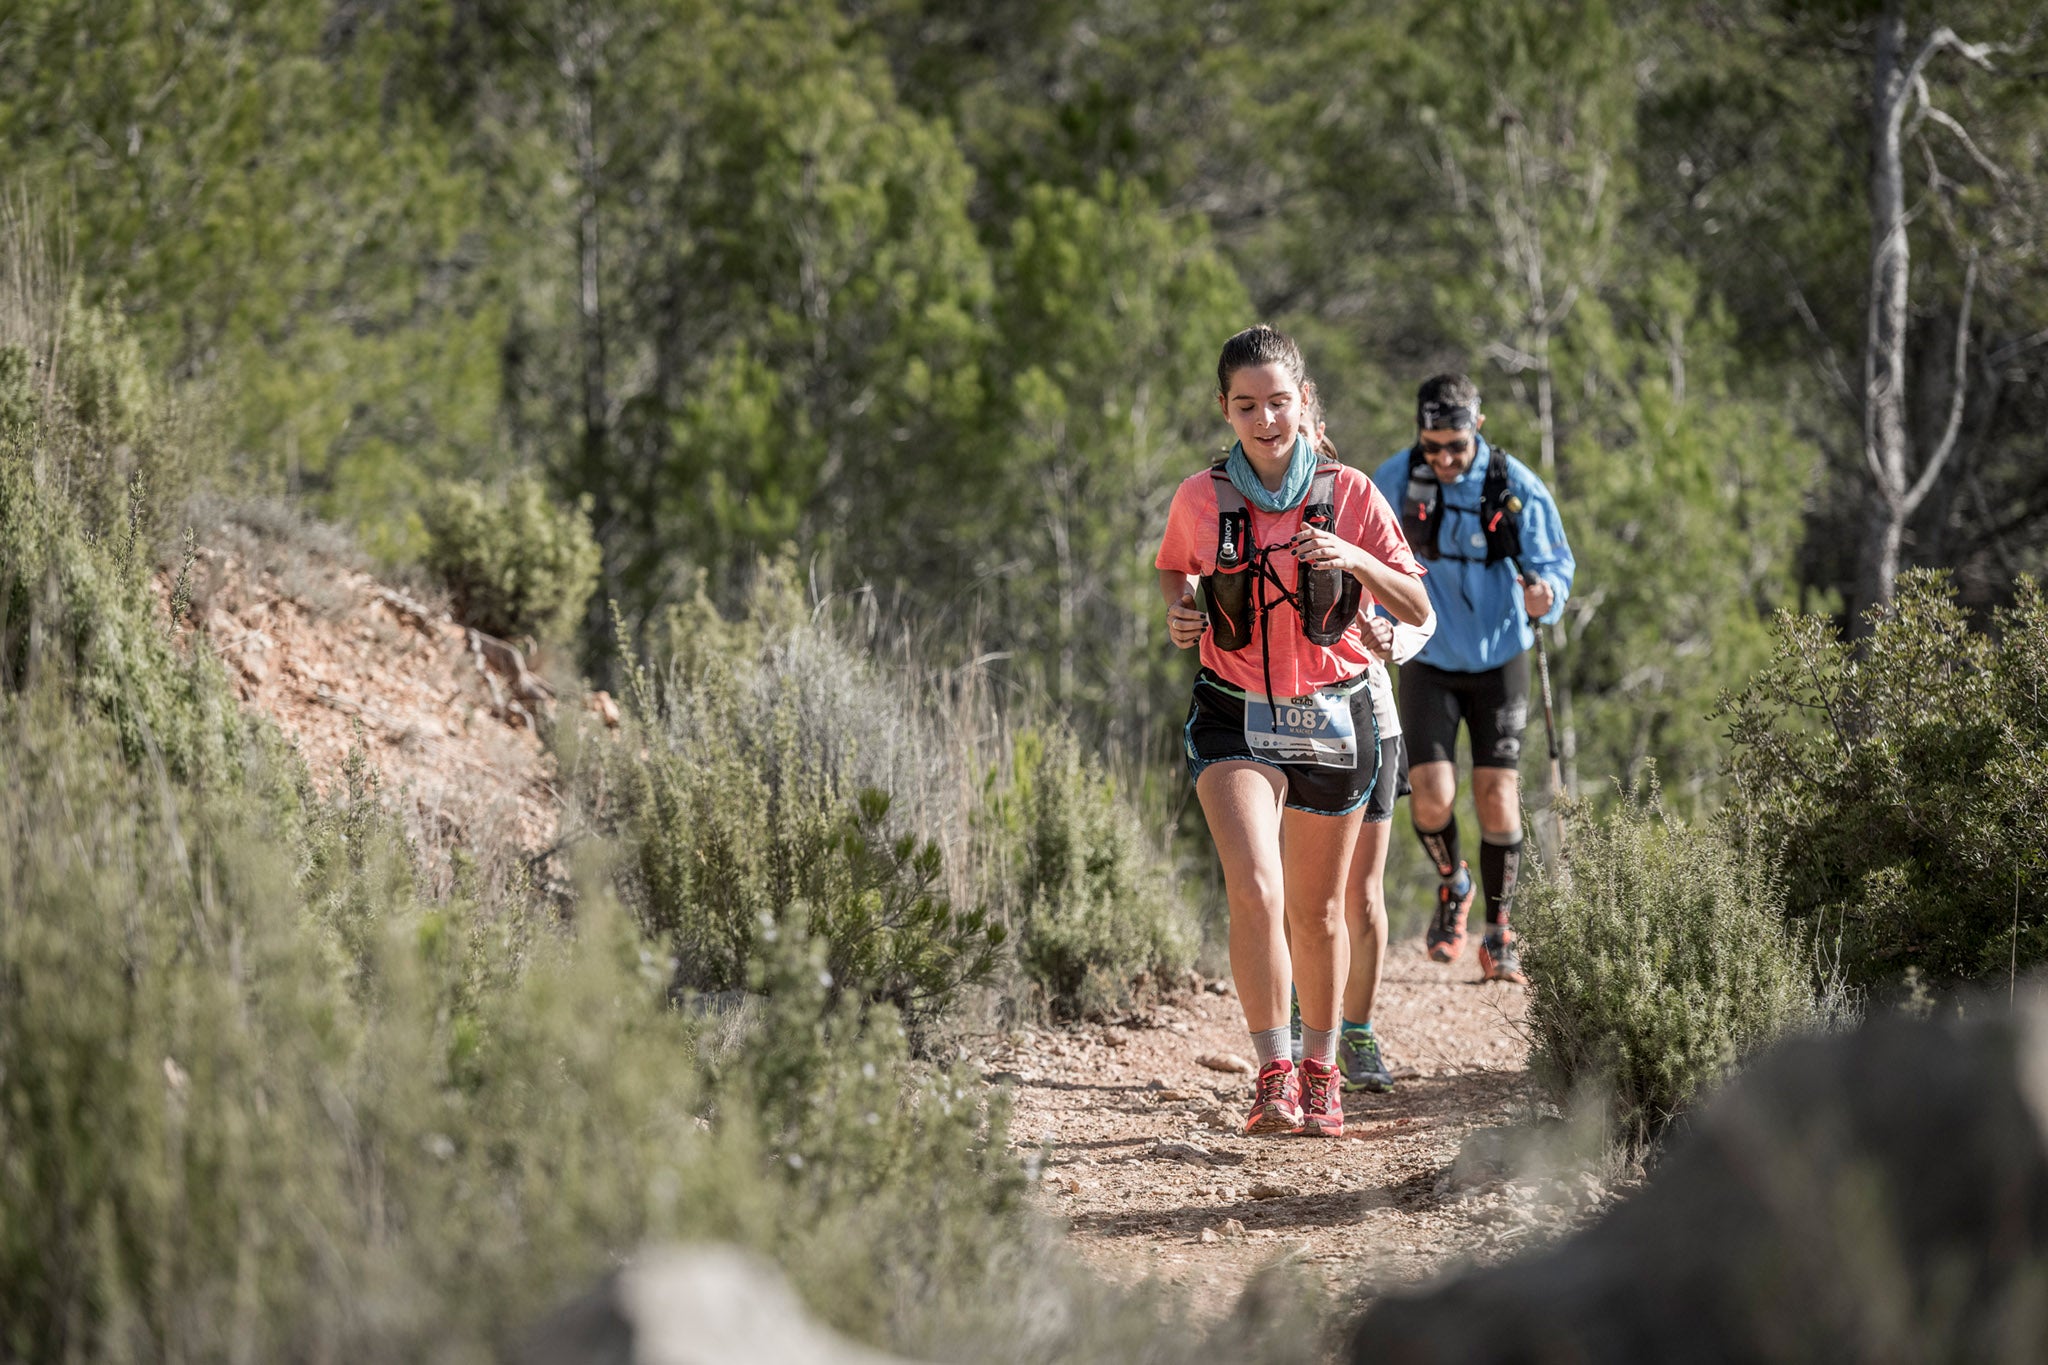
262	1096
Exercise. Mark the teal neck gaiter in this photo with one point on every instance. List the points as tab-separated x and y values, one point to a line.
1301	472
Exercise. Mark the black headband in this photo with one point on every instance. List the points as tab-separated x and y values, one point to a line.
1446	417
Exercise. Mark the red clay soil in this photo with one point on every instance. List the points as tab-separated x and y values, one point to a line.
350	661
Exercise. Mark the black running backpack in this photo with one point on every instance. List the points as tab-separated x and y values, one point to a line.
1325	600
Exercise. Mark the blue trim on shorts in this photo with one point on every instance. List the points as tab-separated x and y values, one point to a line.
1197	765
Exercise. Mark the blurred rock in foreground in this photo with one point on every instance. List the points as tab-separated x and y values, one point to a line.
691	1306
1877	1196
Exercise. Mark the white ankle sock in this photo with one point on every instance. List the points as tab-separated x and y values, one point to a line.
1272	1045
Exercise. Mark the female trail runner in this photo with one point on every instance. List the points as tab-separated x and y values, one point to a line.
1286	549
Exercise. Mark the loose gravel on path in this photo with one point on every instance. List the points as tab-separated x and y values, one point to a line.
1134	1143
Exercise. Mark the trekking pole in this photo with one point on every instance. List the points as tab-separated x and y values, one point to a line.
1549	714
1549	711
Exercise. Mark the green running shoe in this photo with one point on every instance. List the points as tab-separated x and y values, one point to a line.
1358	1057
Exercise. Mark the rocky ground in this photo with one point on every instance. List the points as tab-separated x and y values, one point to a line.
1131	1134
445	715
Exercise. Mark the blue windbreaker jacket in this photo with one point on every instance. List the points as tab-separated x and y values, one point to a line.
1480	621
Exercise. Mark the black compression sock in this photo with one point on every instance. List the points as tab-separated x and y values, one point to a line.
1442	847
1498	865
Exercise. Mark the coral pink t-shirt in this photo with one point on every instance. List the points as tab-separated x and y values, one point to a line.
1364	518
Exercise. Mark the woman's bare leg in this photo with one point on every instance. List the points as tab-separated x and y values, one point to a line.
1365	919
1242	802
1318	859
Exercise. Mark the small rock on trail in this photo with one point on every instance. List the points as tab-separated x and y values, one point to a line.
1164	1150
1266	1190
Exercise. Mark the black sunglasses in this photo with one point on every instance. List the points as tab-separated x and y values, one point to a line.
1457	447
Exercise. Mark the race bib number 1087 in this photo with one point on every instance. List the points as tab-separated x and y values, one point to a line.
1315	729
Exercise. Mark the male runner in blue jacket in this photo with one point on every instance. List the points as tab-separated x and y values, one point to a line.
1488	531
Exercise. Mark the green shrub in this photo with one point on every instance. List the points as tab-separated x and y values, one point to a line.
864	1146
259	1098
788	773
18	401
86	611
515	560
161	1035
787	785
1905	784
103	376
876	901
79	406
264	1097
256	1096
1658	959
1096	908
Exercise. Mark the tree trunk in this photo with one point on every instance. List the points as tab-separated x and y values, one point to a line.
596	476
1877	571
1522	239
1063	568
1884	353
589	296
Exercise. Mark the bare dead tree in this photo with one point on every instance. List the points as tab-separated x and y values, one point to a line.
1901	111
1518	225
1546	291
581	47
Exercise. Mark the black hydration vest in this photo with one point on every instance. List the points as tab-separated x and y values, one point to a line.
1500	511
1326	600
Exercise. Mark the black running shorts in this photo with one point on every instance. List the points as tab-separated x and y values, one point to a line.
1379	807
1215	732
1494	704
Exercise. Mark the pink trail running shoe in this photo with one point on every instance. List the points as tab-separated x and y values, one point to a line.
1322	1101
1275	1108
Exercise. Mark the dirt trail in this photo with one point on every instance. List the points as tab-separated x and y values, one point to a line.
1372	1211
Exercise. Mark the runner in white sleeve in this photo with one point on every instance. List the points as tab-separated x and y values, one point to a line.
1360	1055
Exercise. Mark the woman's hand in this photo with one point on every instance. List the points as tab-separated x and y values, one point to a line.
1378	633
1400	593
1320	549
1185	622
